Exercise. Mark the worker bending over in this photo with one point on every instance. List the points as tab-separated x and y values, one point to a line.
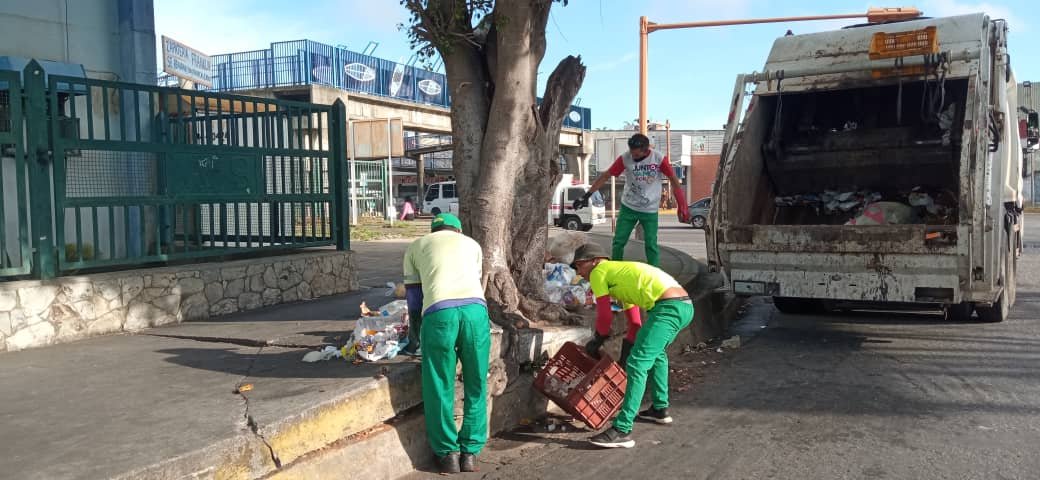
669	310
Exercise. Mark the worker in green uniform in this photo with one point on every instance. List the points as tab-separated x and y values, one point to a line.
669	310
442	275
644	170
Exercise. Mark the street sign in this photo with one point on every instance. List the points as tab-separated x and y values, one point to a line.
185	62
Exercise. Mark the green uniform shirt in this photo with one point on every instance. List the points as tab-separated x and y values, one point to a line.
631	283
447	264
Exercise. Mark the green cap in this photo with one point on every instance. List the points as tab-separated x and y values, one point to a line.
446	220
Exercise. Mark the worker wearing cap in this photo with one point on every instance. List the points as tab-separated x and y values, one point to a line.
669	311
644	169
442	272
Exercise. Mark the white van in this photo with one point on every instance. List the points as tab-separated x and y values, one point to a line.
439	197
583	219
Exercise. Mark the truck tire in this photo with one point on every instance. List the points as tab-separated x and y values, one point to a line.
798	306
571	223
436	211
959	312
998	312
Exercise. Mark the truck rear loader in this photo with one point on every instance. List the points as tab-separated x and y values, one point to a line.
875	165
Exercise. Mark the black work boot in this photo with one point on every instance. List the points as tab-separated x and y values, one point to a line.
468	463
612	438
626	348
659	416
448	463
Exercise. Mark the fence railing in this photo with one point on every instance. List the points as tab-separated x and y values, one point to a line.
144	174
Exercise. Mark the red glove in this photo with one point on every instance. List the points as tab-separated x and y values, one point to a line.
684	209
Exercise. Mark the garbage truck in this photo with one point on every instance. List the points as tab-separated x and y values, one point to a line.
876	166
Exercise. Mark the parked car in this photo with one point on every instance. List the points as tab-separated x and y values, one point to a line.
699	213
439	197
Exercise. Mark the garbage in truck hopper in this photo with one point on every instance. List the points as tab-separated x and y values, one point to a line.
864	207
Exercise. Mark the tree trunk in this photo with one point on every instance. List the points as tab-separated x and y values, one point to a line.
506	146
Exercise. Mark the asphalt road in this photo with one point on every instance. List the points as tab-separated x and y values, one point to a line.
858	396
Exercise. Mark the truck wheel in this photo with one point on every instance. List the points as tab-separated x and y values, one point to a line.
798	306
436	211
959	312
571	223
698	222
998	312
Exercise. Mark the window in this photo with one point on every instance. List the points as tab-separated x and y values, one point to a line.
573	194
449	191
433	192
703	203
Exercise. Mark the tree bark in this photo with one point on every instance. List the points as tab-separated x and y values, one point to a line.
506	146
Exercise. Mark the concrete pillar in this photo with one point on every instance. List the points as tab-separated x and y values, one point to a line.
137	41
420	181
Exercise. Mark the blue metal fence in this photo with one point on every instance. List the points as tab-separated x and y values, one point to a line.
306	62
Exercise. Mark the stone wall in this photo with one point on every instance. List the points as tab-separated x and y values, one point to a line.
36	314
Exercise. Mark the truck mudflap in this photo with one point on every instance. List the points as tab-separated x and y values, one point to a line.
847	276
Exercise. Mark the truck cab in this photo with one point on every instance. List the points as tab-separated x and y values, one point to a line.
876	165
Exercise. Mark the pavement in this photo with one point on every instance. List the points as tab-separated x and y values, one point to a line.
164	403
864	395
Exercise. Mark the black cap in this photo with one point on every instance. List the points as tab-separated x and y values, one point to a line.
589	251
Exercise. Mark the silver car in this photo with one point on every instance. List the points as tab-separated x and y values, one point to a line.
699	213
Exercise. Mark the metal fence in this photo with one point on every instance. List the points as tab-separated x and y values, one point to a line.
15	250
306	62
144	174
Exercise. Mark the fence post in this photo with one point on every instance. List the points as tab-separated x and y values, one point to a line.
338	183
38	159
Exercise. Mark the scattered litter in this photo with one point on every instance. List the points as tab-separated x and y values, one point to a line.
243	388
830	201
325	354
656	442
564	286
395	290
525	421
702	346
551	427
382	337
731	342
718	350
559	388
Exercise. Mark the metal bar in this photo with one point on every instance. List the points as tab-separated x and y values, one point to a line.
212	227
3	206
184	228
116	145
104	112
123	116
220	121
256	142
111	232
237	223
126	230
249	225
79	235
159	219
224	221
653	27
90	113
854	66
94	229
208	123
137	114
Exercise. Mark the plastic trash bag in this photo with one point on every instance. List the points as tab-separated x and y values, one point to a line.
382	337
884	213
325	354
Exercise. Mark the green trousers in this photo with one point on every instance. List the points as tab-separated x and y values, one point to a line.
648	361
449	336
626	222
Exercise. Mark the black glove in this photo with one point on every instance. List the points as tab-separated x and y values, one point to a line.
592	348
582	202
626	349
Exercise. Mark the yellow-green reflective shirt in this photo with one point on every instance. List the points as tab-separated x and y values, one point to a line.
631	283
447	264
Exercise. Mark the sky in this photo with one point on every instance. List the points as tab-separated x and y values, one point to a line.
691	72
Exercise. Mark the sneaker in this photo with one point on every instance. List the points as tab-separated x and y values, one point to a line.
657	416
449	463
612	438
468	463
417	353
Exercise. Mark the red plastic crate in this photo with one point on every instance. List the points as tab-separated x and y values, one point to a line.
591	390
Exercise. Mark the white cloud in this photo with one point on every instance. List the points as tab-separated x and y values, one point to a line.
613	64
946	8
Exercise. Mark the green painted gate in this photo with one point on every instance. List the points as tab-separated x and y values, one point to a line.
144	175
15	253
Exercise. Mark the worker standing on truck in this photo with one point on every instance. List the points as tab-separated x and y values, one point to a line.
670	310
442	273
644	169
